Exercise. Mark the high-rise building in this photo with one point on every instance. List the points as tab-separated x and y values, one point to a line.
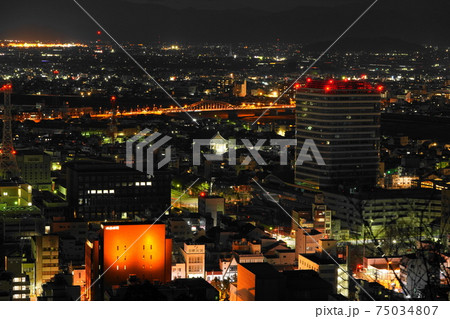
123	250
342	117
45	251
34	166
102	190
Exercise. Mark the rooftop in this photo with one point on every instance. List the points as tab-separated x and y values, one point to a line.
382	193
98	166
340	86
322	260
261	270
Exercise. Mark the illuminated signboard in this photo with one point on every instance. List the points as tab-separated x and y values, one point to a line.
112	228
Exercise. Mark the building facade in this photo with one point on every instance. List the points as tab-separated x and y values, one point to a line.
35	168
127	249
343	120
45	251
194	258
99	191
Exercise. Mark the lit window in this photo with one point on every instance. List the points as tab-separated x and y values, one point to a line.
149	183
117	267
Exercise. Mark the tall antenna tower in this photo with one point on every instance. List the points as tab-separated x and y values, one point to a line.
8	163
113	124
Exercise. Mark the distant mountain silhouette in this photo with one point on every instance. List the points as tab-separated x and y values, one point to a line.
382	44
414	21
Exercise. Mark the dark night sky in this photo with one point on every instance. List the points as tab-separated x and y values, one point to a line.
271	5
227	21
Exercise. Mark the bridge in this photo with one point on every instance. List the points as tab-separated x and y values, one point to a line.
208	106
201	106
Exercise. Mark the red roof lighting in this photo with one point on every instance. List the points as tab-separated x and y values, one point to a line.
202	194
99	32
6	87
343	86
297	85
308	80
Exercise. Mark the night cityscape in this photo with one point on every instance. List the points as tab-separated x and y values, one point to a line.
220	161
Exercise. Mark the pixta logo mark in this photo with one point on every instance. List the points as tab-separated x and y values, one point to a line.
145	140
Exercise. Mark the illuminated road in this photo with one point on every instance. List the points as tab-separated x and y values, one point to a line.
186	201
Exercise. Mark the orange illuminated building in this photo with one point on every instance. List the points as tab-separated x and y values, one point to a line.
121	251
